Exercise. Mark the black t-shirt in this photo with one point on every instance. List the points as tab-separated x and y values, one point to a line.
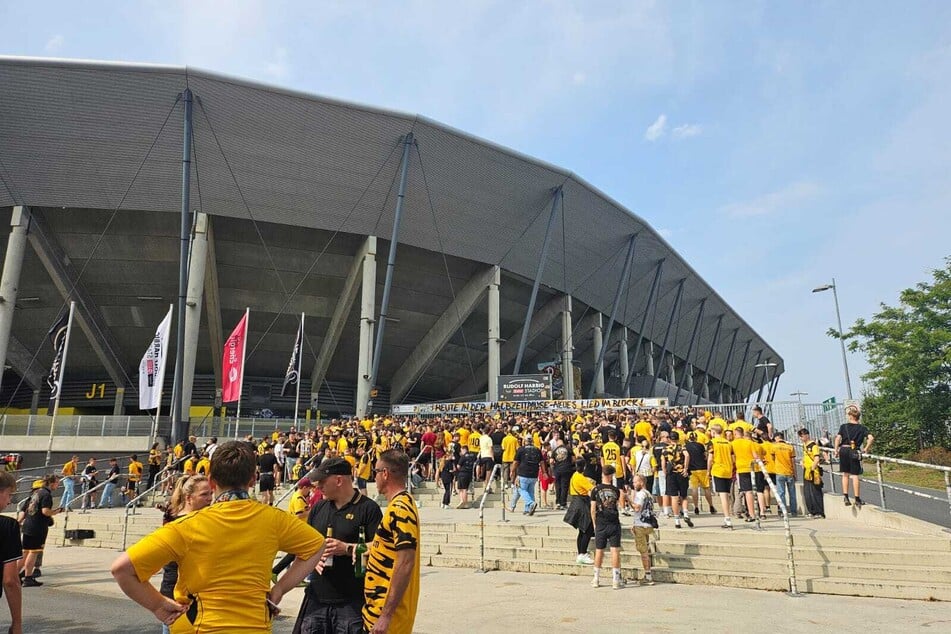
562	459
337	585
853	433
592	464
604	430
11	548
91	472
497	437
606	498
35	523
113	474
189	448
658	450
529	459
762	424
267	463
466	463
698	456
290	449
665	426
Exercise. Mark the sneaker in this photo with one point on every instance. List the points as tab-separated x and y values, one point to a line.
749	519
584	558
848	502
696	511
595	582
677	524
532	507
37	572
618	584
688	520
511	509
858	502
713	511
727	525
31	582
647	581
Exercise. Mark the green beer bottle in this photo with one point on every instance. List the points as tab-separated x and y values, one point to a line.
360	565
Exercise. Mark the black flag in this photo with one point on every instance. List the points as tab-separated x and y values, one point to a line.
292	377
57	336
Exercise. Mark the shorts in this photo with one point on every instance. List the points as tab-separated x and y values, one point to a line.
628	480
759	482
609	536
700	479
34	543
641	541
361	483
487	464
677	485
463	482
722	485
745	481
266	482
848	463
546	482
425	457
661	485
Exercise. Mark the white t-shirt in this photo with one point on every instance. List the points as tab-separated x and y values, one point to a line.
639	498
642	462
485	446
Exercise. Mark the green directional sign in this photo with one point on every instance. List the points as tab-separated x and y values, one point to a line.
829	404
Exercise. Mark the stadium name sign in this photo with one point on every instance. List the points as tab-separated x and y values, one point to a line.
527	406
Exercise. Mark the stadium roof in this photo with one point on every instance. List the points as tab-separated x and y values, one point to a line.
73	135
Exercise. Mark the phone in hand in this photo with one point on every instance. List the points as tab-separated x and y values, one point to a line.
272	607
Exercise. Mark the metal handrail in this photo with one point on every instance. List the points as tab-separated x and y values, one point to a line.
497	469
790	557
412	464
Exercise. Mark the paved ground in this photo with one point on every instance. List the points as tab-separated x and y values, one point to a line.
79	597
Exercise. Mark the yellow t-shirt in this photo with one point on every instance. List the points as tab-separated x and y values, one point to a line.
363	467
768	456
189	467
509	447
135	471
463	436
342	445
473	442
155	457
747	428
224	552
810	458
69	469
399	530
611	454
645	429
537	440
580	485
722	450
179	450
298	504
784	459
702	437
743	450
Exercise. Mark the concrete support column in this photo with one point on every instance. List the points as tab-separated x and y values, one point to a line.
35	403
597	340
567	351
689	370
706	388
367	316
671	370
117	409
10	282
623	360
193	297
495	342
649	357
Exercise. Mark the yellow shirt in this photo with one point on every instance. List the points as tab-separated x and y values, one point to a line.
69	469
611	454
769	457
473	442
580	485
189	467
342	445
784	459
722	451
702	437
645	429
298	504
363	467
509	447
743	450
747	428
399	530
463	436
229	578
135	471
537	440
810	458
155	457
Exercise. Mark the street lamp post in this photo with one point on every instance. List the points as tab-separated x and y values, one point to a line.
838	316
802	410
767	366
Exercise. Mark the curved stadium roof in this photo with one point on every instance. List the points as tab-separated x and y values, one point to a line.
73	135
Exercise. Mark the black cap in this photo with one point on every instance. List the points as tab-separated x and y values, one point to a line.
333	466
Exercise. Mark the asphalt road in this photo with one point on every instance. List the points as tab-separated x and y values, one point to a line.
934	511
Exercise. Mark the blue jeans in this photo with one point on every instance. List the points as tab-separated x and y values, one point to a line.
784	483
69	491
107	495
526	489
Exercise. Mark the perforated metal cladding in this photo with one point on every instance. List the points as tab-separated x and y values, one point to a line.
73	134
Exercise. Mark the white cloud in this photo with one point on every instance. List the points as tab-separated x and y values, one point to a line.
665	233
789	196
277	67
687	130
54	44
656	130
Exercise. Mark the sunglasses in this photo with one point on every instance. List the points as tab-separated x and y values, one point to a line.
380	470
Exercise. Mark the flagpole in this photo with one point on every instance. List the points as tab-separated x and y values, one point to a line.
59	391
158	408
300	359
244	356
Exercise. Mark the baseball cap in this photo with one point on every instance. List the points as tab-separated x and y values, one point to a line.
333	466
304	482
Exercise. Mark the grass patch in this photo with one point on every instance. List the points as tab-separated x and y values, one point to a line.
902	474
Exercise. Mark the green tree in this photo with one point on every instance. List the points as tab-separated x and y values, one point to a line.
908	346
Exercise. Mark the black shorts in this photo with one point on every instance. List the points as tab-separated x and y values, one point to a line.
759	482
266	482
722	485
677	484
608	536
34	542
849	461
487	463
628	480
424	457
745	481
463	482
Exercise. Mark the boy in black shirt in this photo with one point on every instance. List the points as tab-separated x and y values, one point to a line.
605	498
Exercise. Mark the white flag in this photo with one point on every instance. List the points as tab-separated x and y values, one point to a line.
152	366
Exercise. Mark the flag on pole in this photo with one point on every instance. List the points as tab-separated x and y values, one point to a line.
232	364
57	335
152	366
291	377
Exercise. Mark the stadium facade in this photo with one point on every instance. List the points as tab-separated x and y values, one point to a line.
295	199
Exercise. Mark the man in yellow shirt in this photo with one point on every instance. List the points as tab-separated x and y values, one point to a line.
743	453
70	477
721	465
812	475
784	461
509	447
237	538
579	511
135	475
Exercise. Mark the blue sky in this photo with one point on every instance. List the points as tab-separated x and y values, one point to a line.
774	144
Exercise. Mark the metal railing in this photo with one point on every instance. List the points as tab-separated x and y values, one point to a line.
161	479
790	556
496	470
412	466
39	425
882	485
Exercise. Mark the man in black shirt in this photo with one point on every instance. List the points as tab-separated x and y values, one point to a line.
605	499
762	423
562	467
528	460
699	477
849	446
267	474
36	526
11	552
333	601
466	466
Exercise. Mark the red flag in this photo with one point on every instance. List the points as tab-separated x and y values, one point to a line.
232	363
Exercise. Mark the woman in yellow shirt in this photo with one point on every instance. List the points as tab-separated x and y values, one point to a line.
579	510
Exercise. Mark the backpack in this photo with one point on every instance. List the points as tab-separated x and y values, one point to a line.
647	512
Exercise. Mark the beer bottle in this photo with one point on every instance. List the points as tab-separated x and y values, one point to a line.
360	565
329	562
